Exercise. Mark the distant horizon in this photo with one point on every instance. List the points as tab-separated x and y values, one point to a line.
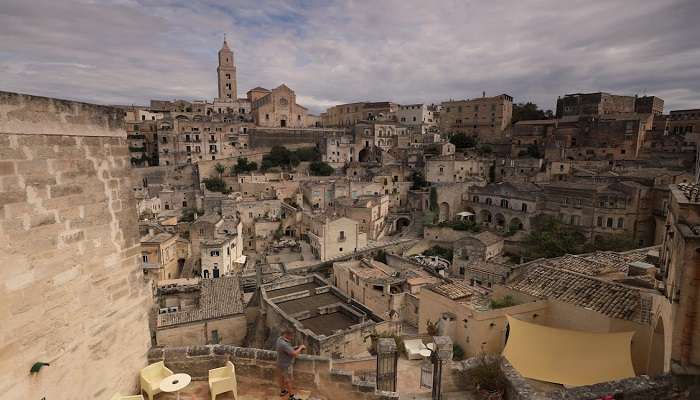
131	52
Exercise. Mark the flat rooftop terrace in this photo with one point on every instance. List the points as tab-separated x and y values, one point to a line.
327	324
292	289
309	303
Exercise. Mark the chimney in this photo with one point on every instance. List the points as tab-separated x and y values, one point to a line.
483	94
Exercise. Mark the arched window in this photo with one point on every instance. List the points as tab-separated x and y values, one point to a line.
504	203
205	273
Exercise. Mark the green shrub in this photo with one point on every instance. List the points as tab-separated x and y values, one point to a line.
440	252
216	184
457	352
486	374
506	301
320	168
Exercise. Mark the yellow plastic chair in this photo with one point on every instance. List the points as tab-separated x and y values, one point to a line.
151	376
134	397
222	380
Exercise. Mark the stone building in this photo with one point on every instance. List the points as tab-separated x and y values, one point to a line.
454	168
226	74
159	256
332	236
599	292
594	104
422	118
676	329
352	113
374	284
608	138
601	210
486	118
276	108
327	322
222	255
183	140
370	211
528	136
73	293
258	216
505	206
141	130
197	312
685	123
465	314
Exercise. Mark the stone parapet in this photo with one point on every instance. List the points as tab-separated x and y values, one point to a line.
35	115
310	372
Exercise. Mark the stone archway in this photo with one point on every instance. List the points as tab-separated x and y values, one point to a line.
657	350
402	222
444	212
500	221
485	217
515	224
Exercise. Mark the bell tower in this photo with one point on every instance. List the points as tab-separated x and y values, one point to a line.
226	72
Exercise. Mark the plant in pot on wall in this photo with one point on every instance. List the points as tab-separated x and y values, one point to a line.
432	328
487	378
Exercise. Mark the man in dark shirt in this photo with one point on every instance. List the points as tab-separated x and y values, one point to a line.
286	354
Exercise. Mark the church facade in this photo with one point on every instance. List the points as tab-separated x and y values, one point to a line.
276	108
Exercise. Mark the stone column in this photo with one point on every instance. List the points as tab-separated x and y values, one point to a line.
387	359
442	354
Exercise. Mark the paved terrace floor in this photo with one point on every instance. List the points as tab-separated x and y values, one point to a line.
199	390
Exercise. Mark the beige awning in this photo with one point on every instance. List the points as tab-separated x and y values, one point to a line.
571	358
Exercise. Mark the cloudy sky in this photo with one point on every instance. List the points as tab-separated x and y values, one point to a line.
130	51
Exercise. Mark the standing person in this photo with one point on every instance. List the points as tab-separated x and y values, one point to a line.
286	354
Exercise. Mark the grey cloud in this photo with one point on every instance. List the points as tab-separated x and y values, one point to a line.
405	51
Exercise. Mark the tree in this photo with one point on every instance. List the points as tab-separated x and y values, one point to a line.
433	199
550	238
216	184
188	213
418	179
619	242
462	141
533	151
320	168
308	154
220	169
529	111
485	149
381	256
281	157
243	165
439	251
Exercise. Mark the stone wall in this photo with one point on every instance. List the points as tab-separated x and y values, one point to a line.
268	137
310	372
638	388
72	292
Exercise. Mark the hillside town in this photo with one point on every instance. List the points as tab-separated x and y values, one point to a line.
412	249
